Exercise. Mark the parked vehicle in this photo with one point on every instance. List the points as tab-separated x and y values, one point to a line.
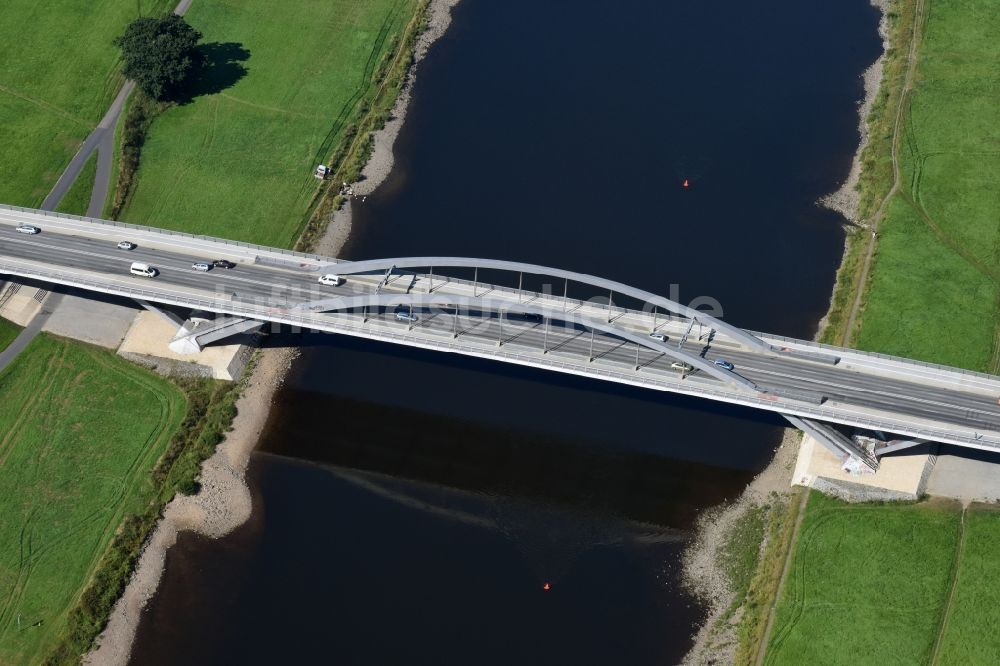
331	280
145	270
126	245
27	229
202	266
223	263
723	363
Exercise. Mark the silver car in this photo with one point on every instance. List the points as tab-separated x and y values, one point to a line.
27	229
201	266
126	245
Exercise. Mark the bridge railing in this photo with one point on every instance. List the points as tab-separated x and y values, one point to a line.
887	357
166	232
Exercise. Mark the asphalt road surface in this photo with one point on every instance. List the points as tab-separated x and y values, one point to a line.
282	287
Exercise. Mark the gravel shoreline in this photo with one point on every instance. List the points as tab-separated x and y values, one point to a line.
845	199
702	574
224	501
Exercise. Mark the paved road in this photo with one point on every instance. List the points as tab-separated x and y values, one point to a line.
287	287
28	333
102	139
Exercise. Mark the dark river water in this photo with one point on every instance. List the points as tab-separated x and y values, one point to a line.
410	507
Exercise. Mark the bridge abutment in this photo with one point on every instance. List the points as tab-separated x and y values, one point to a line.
901	476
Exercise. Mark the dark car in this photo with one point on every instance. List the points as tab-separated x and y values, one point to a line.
722	363
223	263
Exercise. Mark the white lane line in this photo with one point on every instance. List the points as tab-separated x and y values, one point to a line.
904	398
165	262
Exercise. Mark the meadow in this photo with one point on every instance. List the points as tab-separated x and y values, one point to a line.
58	74
8	331
935	286
970	637
77	198
868	584
80	431
286	81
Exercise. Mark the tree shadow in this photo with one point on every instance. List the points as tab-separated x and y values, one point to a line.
219	66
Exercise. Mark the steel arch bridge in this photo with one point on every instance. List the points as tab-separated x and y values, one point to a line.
809	383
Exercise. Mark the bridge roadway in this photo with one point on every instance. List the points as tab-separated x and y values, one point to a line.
542	330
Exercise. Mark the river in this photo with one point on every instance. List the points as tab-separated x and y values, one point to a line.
413	507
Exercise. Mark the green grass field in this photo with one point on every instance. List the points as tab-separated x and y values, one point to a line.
58	74
8	331
971	637
238	163
80	430
77	199
868	584
937	271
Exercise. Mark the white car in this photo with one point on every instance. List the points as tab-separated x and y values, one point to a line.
406	316
201	266
683	367
658	336
126	245
27	229
331	280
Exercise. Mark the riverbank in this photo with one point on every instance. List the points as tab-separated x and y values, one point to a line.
734	547
863	197
380	162
735	617
846	200
223	502
928	275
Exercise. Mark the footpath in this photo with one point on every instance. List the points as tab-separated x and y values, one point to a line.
102	140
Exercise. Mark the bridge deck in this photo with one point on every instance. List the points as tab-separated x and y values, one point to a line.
896	395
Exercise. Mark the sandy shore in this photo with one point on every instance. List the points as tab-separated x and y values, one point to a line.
224	501
845	199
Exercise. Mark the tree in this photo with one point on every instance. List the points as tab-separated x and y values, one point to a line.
159	53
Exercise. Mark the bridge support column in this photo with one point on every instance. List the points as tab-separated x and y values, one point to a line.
195	333
163	314
898	445
833	440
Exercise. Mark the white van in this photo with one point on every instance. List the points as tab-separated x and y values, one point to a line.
145	270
